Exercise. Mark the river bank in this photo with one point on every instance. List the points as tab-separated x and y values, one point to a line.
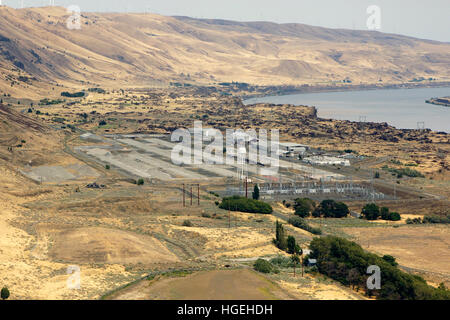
293	90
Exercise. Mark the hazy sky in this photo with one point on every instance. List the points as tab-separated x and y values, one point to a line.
427	19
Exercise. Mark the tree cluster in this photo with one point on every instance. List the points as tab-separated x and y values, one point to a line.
285	242
242	204
305	207
346	262
372	212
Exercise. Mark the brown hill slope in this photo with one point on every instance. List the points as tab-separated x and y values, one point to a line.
24	140
38	51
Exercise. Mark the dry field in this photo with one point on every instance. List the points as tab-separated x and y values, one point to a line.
237	284
120	233
240	284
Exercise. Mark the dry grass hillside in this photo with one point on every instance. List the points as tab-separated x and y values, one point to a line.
38	52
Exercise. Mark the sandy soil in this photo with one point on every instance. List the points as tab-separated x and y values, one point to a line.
241	284
101	245
320	291
235	242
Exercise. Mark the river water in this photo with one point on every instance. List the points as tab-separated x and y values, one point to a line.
401	108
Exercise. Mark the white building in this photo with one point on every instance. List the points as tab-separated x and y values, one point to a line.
327	160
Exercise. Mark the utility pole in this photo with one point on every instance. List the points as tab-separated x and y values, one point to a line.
198	194
301	261
395	192
246	187
191	195
184	195
295	262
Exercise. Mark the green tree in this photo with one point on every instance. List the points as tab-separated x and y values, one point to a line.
384	213
291	245
140	182
332	209
5	293
371	211
395	216
255	194
353	277
341	210
304	207
295	260
280	236
390	259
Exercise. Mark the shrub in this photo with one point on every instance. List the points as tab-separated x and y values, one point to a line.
404	172
102	123
187	223
301	223
243	204
394	216
264	266
107	167
4	293
390	216
206	215
390	260
98	90
214	194
72	95
282	262
437	219
140	182
414	221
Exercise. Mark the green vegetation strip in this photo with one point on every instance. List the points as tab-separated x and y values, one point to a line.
243	204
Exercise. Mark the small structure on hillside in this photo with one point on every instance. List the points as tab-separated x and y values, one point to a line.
355	214
312	262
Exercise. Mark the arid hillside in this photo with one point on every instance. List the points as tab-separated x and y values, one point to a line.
38	52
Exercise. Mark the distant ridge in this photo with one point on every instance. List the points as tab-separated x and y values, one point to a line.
38	52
